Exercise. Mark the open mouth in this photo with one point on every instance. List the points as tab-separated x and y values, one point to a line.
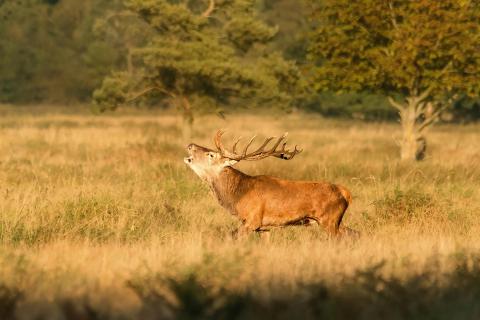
188	160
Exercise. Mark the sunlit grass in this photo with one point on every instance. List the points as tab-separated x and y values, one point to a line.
99	213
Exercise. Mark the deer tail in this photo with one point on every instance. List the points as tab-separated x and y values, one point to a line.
346	194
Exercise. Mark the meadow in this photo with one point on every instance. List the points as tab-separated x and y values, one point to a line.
101	219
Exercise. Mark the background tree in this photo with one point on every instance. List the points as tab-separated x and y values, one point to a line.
49	52
123	30
204	55
293	27
421	53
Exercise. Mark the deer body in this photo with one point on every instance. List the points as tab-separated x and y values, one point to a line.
261	202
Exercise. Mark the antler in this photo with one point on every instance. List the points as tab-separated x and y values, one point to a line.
259	153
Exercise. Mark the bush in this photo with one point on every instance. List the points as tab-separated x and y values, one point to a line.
404	206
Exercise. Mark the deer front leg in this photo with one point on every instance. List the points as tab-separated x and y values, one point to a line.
251	223
241	232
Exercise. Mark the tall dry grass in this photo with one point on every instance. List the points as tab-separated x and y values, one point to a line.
100	218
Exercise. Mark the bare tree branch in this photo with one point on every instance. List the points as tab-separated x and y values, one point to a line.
124	13
209	10
393	16
149	89
445	69
424	95
397	105
420	109
431	119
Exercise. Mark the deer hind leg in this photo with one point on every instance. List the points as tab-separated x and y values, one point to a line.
331	217
334	229
346	232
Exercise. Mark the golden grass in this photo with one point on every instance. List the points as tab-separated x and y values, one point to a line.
89	204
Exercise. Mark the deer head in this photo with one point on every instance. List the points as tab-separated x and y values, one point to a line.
208	163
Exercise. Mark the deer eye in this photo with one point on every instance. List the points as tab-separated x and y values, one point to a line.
211	155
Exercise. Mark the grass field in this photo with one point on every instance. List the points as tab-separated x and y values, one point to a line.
101	219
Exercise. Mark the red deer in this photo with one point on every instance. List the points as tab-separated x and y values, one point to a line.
262	202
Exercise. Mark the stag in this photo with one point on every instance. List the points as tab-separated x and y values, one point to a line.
263	202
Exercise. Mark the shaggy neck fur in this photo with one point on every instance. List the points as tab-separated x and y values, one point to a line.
227	187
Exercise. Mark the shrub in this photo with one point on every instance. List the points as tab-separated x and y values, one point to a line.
404	206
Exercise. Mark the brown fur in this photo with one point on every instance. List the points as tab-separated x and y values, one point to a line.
261	202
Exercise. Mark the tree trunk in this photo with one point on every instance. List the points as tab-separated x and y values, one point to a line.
187	119
187	127
413	144
408	144
417	114
129	60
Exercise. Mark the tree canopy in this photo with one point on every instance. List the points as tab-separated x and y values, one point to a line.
203	56
49	52
405	47
426	52
60	51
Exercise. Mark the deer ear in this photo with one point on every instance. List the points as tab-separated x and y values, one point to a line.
229	162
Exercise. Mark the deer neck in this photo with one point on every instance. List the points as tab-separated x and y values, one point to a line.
227	185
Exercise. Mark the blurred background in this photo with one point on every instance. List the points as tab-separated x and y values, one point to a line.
60	51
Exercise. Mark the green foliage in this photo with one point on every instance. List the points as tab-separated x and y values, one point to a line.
466	109
123	30
405	47
426	52
49	52
201	62
113	91
360	105
60	52
293	28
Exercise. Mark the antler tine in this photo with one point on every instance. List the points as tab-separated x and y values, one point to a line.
244	154
227	154
218	139
261	154
262	147
275	146
234	148
288	155
221	148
